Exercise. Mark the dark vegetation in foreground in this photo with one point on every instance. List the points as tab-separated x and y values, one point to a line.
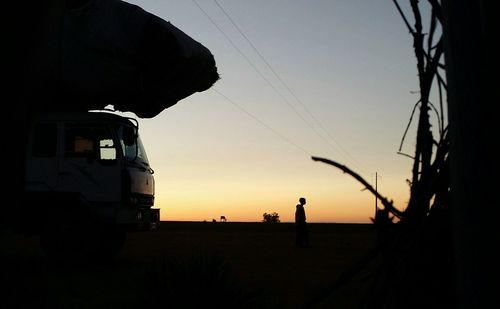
195	265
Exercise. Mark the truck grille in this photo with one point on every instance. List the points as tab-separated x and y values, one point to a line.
139	200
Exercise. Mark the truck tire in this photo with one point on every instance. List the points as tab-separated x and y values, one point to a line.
80	238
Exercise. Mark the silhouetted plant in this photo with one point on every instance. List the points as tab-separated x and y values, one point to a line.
198	281
271	218
416	250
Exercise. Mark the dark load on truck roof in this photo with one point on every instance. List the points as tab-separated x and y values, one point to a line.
106	52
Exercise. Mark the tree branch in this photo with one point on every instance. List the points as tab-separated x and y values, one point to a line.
408	125
404	17
406	155
387	204
436	8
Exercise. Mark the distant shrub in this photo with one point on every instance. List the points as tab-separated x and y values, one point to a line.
271	218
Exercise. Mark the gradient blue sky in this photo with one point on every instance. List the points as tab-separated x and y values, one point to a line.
351	65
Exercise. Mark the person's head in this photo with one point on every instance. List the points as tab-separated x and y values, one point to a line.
302	201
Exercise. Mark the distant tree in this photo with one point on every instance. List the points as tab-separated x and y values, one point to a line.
271	218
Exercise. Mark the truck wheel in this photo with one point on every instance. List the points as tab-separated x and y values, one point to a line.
62	243
82	238
65	231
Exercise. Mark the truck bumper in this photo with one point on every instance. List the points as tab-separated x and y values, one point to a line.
139	219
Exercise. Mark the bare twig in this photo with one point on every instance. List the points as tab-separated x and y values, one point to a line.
433	63
418	44
441	81
438	116
404	17
432	28
406	155
428	57
408	125
436	9
441	105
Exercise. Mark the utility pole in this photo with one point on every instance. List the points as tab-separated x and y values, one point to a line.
376	191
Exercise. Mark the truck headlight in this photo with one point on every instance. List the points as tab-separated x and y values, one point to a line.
133	200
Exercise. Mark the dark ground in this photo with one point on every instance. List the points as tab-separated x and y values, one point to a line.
193	264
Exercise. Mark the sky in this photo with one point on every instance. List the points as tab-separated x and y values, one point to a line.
328	78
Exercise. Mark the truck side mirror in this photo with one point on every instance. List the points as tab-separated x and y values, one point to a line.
129	136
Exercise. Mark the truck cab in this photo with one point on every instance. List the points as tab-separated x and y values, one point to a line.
87	168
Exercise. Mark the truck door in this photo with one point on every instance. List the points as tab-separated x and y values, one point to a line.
89	165
42	158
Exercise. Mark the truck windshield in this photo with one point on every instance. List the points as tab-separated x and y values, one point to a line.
134	150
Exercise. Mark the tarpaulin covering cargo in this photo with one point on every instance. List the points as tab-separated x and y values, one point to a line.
114	53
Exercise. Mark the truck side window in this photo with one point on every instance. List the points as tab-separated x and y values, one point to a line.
95	142
79	142
45	140
107	149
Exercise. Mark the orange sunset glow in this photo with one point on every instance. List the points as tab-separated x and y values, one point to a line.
334	87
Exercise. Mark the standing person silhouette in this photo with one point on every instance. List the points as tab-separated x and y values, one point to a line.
302	237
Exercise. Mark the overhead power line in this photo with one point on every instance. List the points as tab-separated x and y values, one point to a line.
283	137
284	84
337	149
262	75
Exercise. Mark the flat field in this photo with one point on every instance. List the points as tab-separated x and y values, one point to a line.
195	265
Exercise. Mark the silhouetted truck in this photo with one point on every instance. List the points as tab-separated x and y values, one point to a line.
87	182
86	179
